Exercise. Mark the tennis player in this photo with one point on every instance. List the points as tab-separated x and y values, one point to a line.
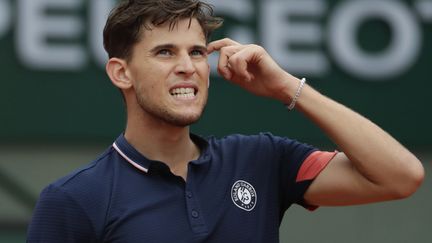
158	182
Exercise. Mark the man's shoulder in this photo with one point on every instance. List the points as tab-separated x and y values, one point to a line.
88	179
261	143
81	198
262	137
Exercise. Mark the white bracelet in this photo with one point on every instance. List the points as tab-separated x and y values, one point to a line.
297	94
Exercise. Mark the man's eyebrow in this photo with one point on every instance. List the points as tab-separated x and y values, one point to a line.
200	47
163	46
172	46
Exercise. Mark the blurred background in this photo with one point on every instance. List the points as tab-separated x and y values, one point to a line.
58	109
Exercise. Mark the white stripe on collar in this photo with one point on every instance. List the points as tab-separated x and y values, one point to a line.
139	167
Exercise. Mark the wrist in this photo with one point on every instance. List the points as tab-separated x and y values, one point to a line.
289	89
297	94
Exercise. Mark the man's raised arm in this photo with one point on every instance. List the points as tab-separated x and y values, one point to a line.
372	166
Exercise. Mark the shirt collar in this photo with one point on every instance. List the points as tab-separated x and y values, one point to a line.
139	161
130	154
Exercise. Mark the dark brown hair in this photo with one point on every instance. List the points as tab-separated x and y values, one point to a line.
126	21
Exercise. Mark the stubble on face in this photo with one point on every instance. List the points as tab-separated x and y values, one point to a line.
154	75
163	114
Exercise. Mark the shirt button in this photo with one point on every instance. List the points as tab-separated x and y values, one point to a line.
189	194
195	214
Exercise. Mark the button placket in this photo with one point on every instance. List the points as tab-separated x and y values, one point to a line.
193	210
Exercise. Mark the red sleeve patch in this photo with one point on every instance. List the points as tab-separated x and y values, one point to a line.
314	164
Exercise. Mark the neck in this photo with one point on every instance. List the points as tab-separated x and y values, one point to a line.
163	142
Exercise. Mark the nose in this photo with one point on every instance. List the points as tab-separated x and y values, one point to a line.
185	65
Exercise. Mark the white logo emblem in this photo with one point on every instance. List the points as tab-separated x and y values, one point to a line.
243	195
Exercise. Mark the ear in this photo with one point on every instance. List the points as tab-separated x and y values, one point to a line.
117	71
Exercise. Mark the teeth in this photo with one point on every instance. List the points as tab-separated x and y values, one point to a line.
183	92
184	95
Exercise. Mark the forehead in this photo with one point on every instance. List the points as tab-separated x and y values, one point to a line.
183	31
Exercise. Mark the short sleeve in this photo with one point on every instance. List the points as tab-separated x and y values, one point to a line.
58	218
300	165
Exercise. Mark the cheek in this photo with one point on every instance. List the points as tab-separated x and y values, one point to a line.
204	69
151	79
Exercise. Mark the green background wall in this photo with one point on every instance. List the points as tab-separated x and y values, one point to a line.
58	109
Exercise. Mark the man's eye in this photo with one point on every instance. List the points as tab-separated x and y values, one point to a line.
197	53
164	52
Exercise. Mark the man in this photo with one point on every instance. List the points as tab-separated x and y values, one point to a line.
159	183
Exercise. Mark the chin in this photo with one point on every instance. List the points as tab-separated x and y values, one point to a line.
179	116
183	121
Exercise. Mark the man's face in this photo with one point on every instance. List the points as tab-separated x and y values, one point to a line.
170	72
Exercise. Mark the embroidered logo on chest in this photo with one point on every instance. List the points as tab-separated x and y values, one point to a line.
243	195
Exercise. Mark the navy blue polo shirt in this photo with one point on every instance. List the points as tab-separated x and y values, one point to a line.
236	191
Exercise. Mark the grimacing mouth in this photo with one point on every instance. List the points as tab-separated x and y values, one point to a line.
188	92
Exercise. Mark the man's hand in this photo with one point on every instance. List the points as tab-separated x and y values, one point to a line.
252	68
